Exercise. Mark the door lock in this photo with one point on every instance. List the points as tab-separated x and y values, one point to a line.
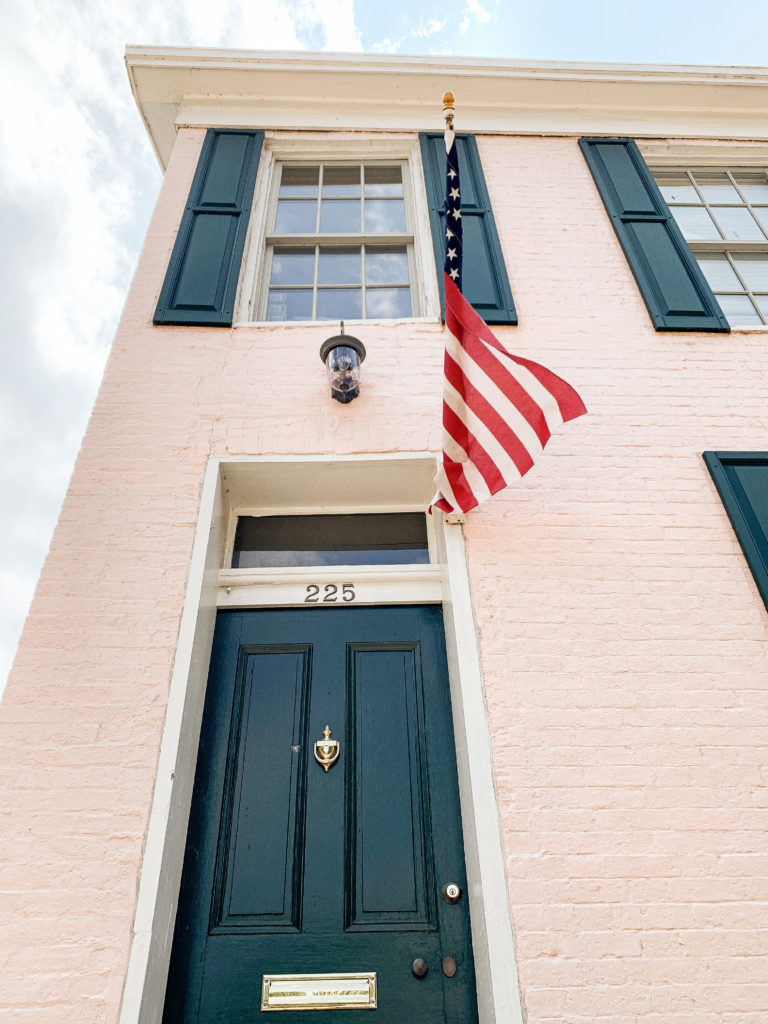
452	892
419	968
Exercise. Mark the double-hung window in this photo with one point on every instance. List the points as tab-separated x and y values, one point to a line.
292	227
339	242
723	216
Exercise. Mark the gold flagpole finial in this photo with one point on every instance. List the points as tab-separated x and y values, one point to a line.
448	100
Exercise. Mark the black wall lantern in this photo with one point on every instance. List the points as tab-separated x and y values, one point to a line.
342	355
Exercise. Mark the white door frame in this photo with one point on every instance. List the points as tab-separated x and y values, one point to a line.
303	485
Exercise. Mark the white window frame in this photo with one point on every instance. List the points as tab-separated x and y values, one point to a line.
731	248
309	149
668	156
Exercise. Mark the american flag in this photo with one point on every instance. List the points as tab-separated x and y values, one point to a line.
498	410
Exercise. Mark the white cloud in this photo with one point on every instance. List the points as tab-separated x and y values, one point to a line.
473	9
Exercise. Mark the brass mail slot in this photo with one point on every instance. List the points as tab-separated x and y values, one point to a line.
318	991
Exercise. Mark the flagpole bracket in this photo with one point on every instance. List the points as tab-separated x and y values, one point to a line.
455	518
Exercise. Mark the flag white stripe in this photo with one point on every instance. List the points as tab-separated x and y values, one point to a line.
496	397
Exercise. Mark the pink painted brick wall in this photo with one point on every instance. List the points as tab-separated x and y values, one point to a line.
623	640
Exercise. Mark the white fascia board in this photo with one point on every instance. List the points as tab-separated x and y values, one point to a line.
376	92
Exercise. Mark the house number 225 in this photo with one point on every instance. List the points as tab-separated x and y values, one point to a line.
331	593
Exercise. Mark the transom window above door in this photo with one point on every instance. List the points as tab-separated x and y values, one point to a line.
339	243
723	215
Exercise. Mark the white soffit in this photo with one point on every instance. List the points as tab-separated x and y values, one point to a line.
327	91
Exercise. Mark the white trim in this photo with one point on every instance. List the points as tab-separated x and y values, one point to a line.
288	588
176	87
387	482
672	154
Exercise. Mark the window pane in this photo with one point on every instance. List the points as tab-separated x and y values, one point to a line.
737	223
717	188
383	181
383	215
762	301
341	181
387	303
340	216
738	310
754	270
339	304
386	266
296	216
761	212
293	266
289	304
267	542
719	274
678	191
754	188
695	223
299	181
340	266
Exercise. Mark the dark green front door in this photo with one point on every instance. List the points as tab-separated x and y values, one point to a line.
290	869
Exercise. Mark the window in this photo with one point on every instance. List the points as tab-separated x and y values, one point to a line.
339	243
723	216
267	542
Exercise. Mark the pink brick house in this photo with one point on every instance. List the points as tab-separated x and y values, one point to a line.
543	793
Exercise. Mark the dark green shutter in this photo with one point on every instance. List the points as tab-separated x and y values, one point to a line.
201	280
741	479
674	289
485	282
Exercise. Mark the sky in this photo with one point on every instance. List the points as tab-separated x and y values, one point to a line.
78	179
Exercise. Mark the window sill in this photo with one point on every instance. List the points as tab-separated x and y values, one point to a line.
347	323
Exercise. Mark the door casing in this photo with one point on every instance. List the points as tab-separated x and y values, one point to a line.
296	485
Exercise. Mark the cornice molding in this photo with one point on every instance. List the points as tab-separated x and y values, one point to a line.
369	92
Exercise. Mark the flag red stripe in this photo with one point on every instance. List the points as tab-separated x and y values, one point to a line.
462	492
485	412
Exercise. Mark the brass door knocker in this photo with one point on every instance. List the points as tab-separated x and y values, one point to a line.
327	750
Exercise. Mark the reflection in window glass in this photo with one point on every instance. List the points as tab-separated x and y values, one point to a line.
679	192
695	223
299	181
340	216
388	303
754	271
738	223
339	266
339	304
385	215
739	310
296	217
293	266
341	181
289	305
386	266
719	273
267	542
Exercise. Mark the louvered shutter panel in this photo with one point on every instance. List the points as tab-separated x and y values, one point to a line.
741	479
201	280
674	289
484	277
